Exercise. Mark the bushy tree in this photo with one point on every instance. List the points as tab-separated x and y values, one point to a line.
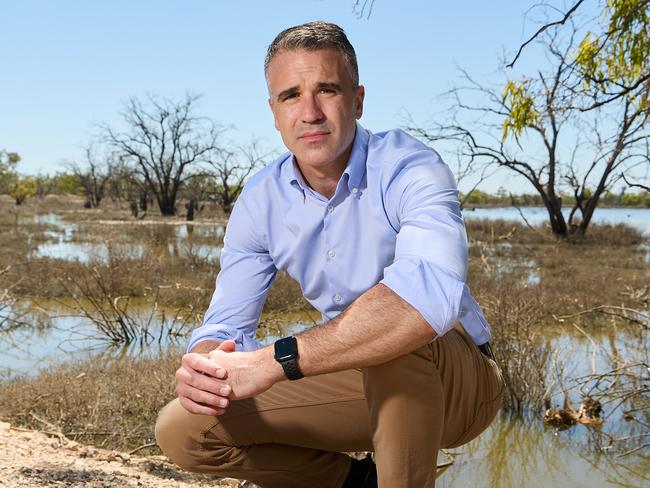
22	187
8	163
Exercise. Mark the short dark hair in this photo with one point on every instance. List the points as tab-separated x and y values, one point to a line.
314	36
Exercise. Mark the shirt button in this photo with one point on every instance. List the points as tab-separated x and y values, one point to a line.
330	208
355	190
331	253
338	298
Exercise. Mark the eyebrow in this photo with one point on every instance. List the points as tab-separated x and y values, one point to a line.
329	86
321	85
289	91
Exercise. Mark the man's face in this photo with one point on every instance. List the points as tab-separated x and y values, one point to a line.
315	105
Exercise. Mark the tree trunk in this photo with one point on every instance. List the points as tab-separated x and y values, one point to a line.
143	201
190	210
167	208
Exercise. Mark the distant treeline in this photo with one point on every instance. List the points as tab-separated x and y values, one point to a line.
61	183
65	183
478	198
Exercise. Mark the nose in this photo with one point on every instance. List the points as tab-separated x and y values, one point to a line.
311	110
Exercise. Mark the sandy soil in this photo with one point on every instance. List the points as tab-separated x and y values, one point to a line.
29	458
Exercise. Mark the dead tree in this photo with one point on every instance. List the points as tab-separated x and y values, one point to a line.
93	177
164	144
228	170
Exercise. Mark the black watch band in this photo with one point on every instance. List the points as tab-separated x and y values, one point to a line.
286	353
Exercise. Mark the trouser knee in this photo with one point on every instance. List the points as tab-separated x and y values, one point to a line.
180	435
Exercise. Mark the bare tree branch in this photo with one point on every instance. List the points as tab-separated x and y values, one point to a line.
543	28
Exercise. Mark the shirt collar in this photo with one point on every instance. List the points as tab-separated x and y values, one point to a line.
355	170
356	167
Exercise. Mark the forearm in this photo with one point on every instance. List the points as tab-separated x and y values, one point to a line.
377	327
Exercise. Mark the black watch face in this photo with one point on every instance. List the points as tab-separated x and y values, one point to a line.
286	348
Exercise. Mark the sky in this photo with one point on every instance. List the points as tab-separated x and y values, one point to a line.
69	66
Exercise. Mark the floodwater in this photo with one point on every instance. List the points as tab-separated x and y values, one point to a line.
57	335
635	217
87	241
513	452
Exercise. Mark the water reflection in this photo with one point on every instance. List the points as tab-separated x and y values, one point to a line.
515	452
97	241
55	337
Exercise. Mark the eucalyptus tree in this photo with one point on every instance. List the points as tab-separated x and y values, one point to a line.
165	143
538	128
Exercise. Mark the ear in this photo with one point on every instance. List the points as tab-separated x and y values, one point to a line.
275	119
358	100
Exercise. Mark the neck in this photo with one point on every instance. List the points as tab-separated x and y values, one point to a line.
324	180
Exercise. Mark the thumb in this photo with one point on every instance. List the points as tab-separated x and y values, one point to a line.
227	346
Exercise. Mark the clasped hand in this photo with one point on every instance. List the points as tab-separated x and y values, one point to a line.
206	383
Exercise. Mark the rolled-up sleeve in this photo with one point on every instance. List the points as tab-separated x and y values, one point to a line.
430	264
247	272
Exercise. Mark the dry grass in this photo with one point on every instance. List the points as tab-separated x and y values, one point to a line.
107	402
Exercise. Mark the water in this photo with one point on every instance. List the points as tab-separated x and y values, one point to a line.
517	453
87	241
638	218
56	336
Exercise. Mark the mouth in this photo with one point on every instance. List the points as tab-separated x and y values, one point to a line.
313	136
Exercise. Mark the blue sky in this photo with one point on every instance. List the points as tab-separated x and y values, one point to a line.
69	65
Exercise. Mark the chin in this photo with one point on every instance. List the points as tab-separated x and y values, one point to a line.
316	161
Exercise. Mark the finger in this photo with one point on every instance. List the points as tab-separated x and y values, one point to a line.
200	396
197	408
203	382
202	364
227	346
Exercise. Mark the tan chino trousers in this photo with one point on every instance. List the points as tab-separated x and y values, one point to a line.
294	435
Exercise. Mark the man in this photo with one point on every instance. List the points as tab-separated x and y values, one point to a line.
370	226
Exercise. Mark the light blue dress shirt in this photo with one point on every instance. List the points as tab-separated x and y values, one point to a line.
394	219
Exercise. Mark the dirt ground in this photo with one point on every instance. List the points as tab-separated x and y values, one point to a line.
31	458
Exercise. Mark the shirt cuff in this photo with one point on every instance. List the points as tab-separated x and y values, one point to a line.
222	332
430	289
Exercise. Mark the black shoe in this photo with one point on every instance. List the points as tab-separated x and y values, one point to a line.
362	474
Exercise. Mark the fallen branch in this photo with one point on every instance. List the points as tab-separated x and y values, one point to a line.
644	319
631	451
144	446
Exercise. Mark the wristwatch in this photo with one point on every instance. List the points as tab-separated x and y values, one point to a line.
286	353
